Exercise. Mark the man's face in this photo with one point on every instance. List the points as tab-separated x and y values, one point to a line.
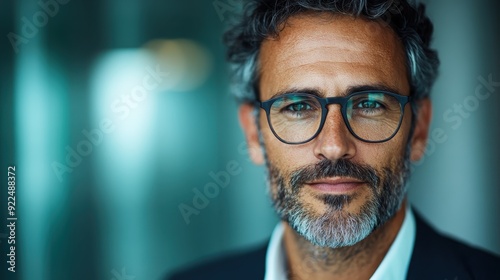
335	189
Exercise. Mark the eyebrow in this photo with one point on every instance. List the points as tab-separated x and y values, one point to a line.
348	91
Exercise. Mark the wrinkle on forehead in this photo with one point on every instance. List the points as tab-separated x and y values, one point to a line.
333	43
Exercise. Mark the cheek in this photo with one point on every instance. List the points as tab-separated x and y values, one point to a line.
286	158
280	155
382	155
389	154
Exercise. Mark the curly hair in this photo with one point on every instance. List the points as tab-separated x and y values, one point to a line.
264	18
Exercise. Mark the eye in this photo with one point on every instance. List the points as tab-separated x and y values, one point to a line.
298	107
369	104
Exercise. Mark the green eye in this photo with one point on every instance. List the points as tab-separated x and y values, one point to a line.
369	104
298	107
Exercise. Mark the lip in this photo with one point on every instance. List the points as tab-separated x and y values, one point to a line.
336	185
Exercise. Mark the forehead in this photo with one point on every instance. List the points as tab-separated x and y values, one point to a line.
331	53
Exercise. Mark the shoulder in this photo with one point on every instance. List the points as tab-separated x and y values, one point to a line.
436	256
249	264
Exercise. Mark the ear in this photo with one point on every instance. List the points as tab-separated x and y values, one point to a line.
249	125
421	132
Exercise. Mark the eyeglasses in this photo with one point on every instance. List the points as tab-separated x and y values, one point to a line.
370	116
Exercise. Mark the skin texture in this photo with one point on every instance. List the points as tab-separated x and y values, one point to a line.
331	54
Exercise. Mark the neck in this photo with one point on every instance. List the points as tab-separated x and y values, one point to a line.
308	261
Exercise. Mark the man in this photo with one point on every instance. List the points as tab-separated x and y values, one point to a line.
335	102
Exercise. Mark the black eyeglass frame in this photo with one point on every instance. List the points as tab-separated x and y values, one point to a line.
342	101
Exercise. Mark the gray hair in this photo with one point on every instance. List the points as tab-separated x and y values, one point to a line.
263	18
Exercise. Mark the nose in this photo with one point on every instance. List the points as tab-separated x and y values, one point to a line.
334	141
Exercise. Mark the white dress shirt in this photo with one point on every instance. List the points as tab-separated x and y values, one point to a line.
394	265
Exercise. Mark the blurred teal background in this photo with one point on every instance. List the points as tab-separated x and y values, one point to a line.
146	81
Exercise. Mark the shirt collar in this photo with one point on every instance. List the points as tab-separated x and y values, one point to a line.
275	256
394	265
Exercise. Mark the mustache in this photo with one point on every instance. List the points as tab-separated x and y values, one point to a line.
339	168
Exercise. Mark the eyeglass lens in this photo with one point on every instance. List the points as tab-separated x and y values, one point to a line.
371	116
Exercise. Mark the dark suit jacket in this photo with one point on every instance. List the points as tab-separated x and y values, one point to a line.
434	257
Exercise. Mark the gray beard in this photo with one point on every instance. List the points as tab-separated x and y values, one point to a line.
337	228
